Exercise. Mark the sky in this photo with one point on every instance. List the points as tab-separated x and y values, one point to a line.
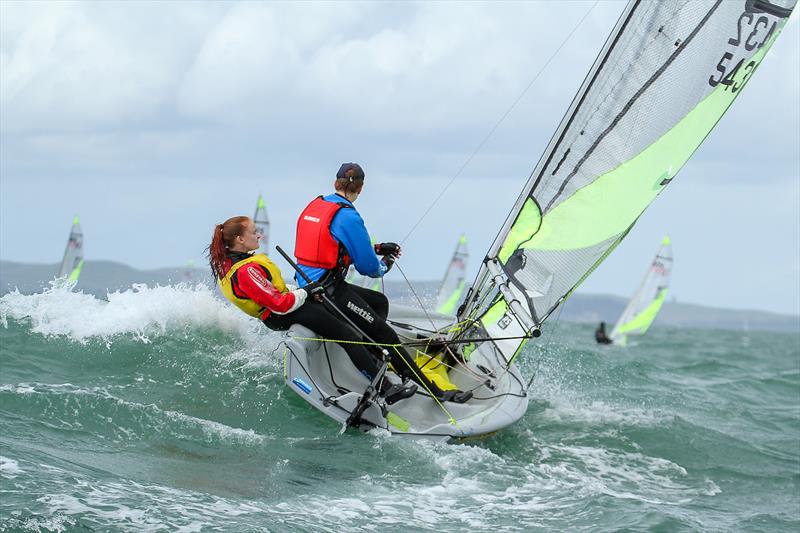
154	121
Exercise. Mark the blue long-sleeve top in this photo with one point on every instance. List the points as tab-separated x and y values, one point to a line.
347	228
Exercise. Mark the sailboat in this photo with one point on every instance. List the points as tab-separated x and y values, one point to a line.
261	220
646	302
452	288
661	82
72	264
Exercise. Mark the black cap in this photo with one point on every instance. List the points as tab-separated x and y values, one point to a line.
350	170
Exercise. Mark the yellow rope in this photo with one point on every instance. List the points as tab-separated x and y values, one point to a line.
363	343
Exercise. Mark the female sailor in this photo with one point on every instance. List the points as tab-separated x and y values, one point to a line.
255	285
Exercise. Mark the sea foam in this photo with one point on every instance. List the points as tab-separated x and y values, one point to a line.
140	312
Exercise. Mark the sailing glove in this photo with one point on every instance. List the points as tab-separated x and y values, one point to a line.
314	288
389	260
388	248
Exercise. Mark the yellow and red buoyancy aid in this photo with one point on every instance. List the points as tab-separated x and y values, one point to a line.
245	304
314	244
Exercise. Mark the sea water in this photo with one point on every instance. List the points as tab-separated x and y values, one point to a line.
164	409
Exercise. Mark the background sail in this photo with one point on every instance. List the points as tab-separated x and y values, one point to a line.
262	224
646	302
72	264
665	76
451	291
354	278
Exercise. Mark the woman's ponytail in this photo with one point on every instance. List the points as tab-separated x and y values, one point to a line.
223	237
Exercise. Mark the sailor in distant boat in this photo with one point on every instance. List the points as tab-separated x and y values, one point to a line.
600	334
332	236
254	284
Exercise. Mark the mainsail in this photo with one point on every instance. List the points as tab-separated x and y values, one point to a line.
262	224
451	291
664	78
72	263
646	302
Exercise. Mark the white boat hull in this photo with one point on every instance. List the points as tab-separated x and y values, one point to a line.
322	374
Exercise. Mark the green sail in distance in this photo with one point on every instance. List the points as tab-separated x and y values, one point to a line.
72	263
451	290
261	220
666	75
646	302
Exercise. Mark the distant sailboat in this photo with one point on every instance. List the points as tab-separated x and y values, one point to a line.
189	271
72	264
262	224
648	299
452	288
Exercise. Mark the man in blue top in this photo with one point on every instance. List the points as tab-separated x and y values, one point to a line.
331	236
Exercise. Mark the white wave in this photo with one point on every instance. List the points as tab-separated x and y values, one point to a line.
131	506
9	468
55	523
476	488
466	487
140	312
601	413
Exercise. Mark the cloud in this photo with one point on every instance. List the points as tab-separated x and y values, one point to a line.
75	67
137	99
439	69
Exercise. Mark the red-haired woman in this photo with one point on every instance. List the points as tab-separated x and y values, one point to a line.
255	285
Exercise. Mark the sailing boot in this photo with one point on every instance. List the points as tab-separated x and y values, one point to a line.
455	396
393	393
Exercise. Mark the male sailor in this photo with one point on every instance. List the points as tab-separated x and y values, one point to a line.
331	236
600	334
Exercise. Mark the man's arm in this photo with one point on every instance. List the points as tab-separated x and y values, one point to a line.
348	228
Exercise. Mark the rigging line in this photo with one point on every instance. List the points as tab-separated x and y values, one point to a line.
419	301
423	342
499	122
433	325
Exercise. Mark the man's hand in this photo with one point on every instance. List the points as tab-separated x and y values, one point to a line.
388	248
389	260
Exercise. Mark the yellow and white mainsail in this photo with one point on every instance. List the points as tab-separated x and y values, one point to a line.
451	291
261	221
646	302
72	264
664	78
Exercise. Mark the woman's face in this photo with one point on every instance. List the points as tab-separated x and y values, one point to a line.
250	237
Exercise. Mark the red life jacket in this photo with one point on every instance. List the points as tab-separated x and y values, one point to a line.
314	244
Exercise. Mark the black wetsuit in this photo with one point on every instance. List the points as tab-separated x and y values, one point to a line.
316	317
600	334
368	310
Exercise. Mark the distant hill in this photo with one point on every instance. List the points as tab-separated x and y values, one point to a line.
101	277
592	308
97	277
